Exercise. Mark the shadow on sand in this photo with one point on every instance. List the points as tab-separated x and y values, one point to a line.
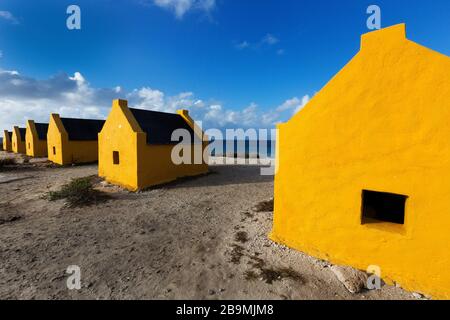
220	175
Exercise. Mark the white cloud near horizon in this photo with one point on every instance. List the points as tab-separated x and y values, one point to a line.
23	98
181	7
8	16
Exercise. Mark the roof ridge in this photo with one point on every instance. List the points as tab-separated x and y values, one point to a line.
154	111
82	119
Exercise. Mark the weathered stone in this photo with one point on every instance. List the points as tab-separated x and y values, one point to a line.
353	280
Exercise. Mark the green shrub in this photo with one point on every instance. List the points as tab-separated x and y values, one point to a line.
78	193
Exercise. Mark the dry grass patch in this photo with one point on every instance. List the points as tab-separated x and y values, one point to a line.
237	253
264	206
241	237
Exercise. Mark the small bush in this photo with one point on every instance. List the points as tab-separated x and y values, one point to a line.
78	193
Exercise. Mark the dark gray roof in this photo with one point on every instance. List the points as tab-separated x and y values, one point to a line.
10	135
42	129
160	125
22	131
82	129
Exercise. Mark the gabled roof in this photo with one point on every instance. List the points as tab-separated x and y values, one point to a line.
22	133
159	126
82	129
41	129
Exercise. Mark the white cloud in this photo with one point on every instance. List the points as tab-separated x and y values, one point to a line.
23	98
181	7
242	45
6	15
270	39
294	104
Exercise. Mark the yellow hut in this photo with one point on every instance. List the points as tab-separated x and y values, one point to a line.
73	141
363	173
18	140
7	137
135	147
36	139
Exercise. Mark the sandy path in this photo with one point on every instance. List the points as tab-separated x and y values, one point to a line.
177	242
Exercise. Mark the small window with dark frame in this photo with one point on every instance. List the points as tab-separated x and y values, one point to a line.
116	158
54	150
383	207
29	145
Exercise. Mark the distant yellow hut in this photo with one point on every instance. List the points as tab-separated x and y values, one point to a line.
363	173
73	141
7	143
36	139
135	147
18	140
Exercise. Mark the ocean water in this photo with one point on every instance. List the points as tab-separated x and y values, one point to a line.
262	148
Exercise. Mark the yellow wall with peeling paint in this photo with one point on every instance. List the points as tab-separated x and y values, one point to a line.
381	124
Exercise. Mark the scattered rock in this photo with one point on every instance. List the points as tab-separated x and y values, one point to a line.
322	263
353	280
419	296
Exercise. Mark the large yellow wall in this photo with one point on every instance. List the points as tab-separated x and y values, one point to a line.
120	133
7	145
34	146
18	146
68	151
141	165
381	124
155	165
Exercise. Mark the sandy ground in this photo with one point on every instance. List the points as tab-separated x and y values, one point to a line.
196	239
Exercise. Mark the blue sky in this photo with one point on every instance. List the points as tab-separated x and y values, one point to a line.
246	62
